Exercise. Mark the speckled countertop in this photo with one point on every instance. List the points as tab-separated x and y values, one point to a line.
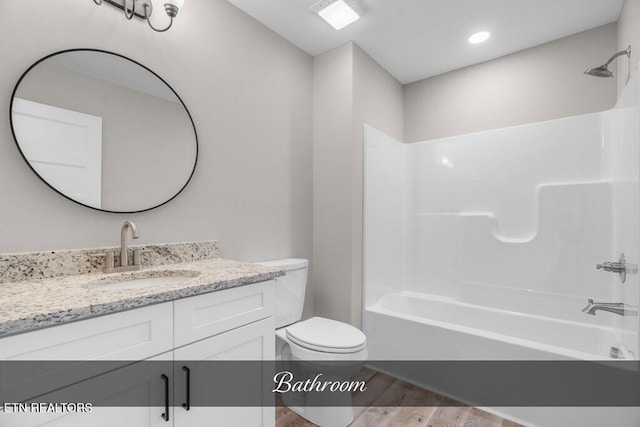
32	304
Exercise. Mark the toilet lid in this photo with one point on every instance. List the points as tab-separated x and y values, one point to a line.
327	335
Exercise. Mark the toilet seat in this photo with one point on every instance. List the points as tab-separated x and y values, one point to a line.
326	336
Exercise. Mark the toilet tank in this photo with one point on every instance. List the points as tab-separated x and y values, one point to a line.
290	289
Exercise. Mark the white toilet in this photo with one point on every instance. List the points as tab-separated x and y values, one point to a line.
315	339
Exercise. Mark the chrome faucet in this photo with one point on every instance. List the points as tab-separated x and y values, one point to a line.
110	255
618	308
124	253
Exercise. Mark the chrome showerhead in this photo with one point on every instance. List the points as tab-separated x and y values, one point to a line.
603	70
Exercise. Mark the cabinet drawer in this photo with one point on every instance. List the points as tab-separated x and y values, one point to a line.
205	315
128	335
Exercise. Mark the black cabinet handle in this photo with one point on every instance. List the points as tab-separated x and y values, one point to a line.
165	415
187	405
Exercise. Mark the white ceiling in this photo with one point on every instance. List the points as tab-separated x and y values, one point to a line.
416	39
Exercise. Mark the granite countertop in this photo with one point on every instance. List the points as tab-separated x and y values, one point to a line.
29	305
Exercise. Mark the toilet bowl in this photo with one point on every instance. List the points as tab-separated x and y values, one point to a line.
334	348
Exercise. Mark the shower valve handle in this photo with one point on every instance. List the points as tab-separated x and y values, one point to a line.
614	267
621	267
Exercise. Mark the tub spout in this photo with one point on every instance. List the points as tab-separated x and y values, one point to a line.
618	308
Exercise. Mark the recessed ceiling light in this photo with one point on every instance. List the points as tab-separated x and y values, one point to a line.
338	13
479	37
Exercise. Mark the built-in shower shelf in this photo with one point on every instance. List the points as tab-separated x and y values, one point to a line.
559	207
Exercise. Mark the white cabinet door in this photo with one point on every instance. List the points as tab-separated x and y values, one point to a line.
133	384
255	341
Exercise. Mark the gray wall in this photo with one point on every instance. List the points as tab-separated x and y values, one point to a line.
540	83
350	89
628	34
249	92
332	160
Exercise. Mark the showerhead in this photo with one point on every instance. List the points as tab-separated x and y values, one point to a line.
603	70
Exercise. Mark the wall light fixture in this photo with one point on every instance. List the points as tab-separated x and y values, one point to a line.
143	9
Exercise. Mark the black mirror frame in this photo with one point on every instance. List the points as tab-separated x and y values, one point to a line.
195	133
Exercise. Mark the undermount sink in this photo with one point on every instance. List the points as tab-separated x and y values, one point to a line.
140	280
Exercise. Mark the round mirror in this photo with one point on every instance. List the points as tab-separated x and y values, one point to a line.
104	131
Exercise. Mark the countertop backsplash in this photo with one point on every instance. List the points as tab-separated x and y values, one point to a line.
30	266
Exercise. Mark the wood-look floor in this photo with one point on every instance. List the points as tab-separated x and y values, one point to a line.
438	411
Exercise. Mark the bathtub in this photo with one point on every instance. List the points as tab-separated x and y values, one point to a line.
440	328
453	330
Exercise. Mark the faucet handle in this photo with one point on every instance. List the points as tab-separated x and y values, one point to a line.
109	258
137	255
109	261
621	267
606	266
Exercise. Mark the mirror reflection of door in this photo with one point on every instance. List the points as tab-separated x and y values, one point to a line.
63	146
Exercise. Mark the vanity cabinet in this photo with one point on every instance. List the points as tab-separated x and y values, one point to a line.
233	324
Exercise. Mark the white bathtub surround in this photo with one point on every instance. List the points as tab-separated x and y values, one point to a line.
484	246
16	267
514	219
